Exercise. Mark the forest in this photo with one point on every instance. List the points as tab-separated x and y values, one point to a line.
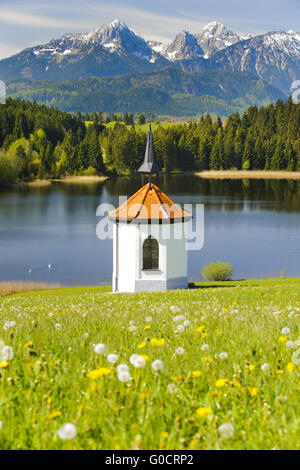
37	142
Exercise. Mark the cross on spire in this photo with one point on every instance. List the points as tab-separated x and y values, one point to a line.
149	164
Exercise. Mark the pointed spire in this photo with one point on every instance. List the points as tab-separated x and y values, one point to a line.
150	164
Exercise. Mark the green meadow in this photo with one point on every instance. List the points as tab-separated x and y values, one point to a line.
140	127
217	368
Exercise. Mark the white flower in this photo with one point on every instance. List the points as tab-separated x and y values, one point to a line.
124	376
172	388
204	347
67	431
174	309
223	355
132	328
6	325
58	327
157	365
50	314
133	358
1	425
265	367
122	368
180	329
180	350
112	358
86	335
7	353
99	348
226	430
148	319
186	323
178	318
285	331
139	362
289	344
12	324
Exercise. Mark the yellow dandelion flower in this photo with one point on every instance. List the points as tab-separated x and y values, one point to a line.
207	359
147	327
142	345
290	367
204	335
145	357
164	435
27	345
3	365
279	372
200	329
49	400
253	391
204	411
196	373
97	373
236	383
157	342
194	443
215	393
218	332
221	383
282	339
54	415
176	378
251	367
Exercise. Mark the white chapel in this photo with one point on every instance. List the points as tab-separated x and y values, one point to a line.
149	243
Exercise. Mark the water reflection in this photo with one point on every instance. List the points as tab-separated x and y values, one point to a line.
254	224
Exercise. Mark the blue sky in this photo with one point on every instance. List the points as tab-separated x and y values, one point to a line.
32	22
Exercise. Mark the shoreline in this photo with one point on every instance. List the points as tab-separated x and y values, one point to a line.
66	179
248	174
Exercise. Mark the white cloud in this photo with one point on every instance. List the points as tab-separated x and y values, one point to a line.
21	18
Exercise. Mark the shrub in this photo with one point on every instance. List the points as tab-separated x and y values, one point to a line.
217	271
90	171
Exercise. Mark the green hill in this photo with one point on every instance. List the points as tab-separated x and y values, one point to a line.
168	91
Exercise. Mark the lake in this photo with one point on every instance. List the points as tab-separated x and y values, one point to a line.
253	224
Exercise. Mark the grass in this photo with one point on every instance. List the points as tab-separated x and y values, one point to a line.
254	174
47	384
8	288
142	127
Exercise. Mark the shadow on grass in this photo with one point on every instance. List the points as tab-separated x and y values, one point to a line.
224	284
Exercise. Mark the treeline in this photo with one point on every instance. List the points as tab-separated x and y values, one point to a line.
41	142
261	139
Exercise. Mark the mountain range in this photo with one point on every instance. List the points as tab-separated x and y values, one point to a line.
115	49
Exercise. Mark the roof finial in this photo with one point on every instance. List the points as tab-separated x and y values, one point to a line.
150	164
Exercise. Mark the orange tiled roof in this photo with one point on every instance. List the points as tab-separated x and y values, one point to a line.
149	203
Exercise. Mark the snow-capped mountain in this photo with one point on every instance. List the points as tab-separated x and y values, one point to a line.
115	49
274	56
184	47
215	37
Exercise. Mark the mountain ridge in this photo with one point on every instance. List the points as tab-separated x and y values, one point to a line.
166	91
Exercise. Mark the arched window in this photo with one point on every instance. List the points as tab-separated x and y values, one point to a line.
150	253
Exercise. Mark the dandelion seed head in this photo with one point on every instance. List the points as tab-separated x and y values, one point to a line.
67	431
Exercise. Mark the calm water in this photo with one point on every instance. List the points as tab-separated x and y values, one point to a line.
255	225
